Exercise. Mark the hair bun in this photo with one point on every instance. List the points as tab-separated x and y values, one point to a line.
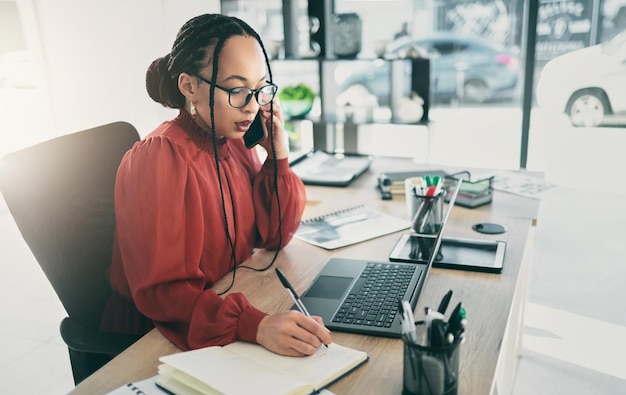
161	86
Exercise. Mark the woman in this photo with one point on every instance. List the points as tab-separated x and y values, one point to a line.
192	201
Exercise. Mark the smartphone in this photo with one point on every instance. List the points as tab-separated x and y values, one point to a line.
454	253
255	133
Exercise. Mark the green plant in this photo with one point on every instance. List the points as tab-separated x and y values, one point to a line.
296	92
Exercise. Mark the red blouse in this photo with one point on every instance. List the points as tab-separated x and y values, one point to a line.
171	246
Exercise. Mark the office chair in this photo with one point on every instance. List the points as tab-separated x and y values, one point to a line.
60	194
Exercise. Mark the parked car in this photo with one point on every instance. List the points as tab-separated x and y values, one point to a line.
487	71
587	84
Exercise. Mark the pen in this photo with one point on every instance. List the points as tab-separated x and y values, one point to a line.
408	332
419	215
456	324
293	294
461	329
408	321
434	333
437	181
437	333
444	302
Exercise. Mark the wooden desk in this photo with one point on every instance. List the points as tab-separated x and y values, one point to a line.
493	302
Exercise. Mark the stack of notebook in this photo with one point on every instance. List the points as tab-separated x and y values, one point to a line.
475	193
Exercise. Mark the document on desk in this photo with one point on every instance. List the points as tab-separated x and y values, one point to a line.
349	226
519	183
246	368
143	387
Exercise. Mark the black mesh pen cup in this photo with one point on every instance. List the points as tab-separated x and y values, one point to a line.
425	211
430	370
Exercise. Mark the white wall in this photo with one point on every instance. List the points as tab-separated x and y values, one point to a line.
95	55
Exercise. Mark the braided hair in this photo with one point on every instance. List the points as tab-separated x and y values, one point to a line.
191	53
198	45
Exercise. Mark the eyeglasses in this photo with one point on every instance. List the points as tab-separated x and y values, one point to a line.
240	96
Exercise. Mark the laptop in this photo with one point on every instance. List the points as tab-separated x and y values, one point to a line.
319	167
334	294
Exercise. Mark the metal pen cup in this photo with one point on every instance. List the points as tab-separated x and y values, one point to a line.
430	370
427	212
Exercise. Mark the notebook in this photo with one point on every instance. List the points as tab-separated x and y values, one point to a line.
219	370
334	294
348	226
322	168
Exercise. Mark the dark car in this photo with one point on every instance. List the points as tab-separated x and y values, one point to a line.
487	71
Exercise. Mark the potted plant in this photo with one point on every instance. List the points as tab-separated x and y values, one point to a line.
296	100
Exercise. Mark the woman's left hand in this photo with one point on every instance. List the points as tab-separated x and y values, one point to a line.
280	144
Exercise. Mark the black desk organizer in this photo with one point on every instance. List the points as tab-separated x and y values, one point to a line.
472	193
430	370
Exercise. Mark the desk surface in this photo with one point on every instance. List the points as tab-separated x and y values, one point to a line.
488	298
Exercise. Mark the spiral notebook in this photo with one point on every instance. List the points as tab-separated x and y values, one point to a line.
349	226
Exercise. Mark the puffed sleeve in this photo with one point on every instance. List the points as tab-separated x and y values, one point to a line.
160	233
292	198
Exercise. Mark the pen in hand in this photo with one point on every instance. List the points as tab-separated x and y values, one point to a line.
293	294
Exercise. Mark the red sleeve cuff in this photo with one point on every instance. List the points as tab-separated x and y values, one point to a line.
249	321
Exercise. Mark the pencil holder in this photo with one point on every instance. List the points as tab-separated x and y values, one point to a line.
430	370
427	212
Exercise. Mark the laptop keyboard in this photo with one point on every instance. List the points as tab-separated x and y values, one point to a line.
373	299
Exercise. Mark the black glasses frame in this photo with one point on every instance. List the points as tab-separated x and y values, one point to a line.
253	92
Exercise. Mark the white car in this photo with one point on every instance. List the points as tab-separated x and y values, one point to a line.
587	84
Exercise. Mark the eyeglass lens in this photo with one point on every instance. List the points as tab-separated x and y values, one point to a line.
241	96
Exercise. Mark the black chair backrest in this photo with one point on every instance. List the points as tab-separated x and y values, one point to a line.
60	194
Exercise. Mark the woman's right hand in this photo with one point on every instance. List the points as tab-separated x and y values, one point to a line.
292	333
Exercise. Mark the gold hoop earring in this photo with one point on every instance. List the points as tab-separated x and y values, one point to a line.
194	111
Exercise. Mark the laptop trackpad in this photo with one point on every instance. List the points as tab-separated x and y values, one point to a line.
326	294
329	287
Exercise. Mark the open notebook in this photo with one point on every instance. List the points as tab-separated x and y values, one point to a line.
348	226
361	296
246	368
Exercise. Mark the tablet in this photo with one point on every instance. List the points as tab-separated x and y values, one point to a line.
454	253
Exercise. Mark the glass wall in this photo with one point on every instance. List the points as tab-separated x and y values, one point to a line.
476	54
579	118
472	48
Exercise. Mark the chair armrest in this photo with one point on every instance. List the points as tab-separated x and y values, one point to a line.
79	338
